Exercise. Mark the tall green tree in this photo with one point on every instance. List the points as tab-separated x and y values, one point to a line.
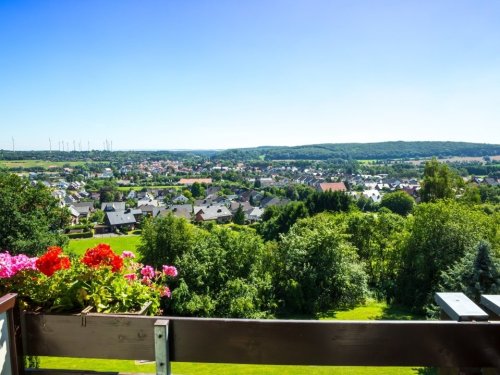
478	272
398	202
165	240
30	217
239	216
439	182
224	274
440	235
317	268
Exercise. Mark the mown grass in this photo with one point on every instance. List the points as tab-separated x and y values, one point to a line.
372	310
118	244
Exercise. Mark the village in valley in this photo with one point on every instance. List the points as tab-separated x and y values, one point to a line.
116	198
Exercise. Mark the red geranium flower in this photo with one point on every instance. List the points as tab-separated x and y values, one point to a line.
52	261
102	255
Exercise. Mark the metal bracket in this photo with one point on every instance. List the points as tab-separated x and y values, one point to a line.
161	348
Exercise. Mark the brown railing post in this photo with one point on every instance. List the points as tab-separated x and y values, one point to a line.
458	307
161	348
12	359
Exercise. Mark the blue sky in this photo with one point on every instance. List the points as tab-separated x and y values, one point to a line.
175	74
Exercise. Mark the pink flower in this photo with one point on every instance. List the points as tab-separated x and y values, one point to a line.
128	254
170	271
11	265
130	276
165	292
146	280
148	271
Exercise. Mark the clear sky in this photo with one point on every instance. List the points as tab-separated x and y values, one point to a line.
191	74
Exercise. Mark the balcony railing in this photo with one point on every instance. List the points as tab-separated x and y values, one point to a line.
471	341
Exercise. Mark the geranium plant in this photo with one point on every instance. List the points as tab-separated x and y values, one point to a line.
101	278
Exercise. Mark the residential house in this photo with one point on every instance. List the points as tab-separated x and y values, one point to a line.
255	214
218	213
120	219
273	201
190	181
179	210
113	206
331	186
150	210
180	199
84	208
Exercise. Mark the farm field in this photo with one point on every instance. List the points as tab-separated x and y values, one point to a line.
372	310
46	164
118	244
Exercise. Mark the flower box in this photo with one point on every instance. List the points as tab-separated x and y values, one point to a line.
101	281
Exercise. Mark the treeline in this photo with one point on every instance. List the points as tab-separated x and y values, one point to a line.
360	151
328	260
327	151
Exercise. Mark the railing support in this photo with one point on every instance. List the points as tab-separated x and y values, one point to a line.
161	348
11	354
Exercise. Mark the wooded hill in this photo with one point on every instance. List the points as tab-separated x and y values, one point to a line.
345	151
360	151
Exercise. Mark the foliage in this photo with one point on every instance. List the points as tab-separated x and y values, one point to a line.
478	272
317	268
378	239
31	218
165	239
398	202
101	279
239	216
440	234
439	182
224	275
333	201
278	220
197	190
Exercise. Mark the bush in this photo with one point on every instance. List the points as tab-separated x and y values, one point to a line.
80	235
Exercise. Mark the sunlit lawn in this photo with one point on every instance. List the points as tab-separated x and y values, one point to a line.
118	244
372	310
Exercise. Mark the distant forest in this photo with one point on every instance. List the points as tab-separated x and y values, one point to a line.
362	151
346	151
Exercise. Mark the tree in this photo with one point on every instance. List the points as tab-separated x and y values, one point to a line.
30	217
378	239
317	268
197	190
278	220
165	240
478	272
398	202
440	235
239	216
223	274
439	182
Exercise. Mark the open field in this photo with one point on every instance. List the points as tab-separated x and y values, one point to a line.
372	310
45	164
139	188
118	244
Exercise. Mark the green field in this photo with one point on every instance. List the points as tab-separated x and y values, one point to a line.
372	310
139	188
118	244
46	164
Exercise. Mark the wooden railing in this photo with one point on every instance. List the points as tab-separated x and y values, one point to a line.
447	344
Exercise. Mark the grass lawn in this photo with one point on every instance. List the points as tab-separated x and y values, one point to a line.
372	310
118	244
